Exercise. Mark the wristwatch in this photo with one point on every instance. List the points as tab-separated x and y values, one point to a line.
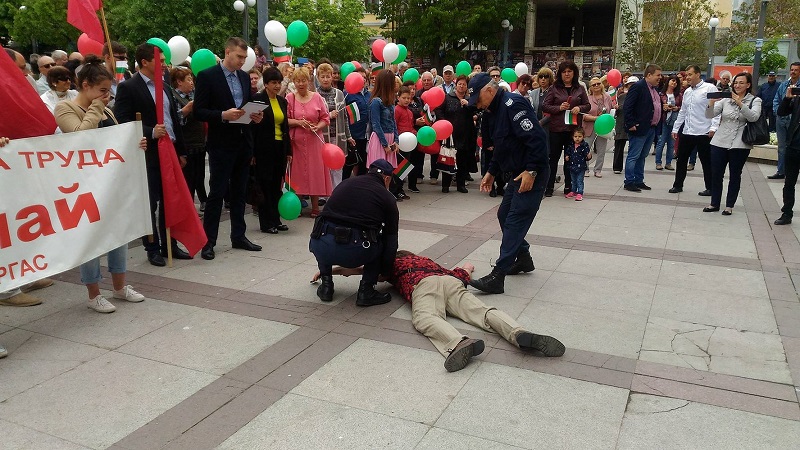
532	173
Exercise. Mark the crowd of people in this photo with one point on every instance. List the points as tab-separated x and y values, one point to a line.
515	135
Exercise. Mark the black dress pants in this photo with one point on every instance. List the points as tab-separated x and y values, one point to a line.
619	154
792	167
686	144
557	142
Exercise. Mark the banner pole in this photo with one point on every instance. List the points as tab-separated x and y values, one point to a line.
113	67
169	248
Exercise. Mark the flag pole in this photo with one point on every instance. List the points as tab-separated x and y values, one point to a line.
159	78
113	67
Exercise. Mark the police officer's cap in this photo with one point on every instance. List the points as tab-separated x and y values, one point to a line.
381	166
476	83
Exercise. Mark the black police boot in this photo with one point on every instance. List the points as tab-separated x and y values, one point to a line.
368	296
492	283
524	263
325	290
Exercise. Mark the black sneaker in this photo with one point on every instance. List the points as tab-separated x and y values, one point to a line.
524	263
777	176
704	193
675	190
414	189
491	284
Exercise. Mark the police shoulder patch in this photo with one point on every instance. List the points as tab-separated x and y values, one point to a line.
526	124
518	115
509	102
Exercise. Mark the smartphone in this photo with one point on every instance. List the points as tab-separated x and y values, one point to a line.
723	94
795	90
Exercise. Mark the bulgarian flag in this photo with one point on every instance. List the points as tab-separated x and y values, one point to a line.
572	119
281	54
428	114
612	92
404	167
353	113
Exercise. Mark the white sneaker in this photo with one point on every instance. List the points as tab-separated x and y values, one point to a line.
127	293
3	352
100	304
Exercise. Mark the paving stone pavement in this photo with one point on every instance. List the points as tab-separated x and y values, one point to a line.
682	331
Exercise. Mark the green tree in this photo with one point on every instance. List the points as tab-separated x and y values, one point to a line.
771	59
334	28
444	28
673	33
42	20
781	21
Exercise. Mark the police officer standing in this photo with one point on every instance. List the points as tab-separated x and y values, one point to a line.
358	227
521	159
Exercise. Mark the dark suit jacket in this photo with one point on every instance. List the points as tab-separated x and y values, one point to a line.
271	154
791	107
638	108
212	96
132	97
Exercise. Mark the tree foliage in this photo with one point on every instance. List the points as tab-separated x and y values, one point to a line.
781	21
437	27
43	20
673	33
334	28
771	59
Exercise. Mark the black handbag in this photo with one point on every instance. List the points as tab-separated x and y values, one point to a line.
756	133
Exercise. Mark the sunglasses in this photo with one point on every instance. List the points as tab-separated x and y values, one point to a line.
495	76
546	77
48	66
595	84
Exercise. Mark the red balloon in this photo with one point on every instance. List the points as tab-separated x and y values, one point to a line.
432	149
377	49
357	64
332	156
354	83
433	97
613	77
443	129
480	141
418	86
87	45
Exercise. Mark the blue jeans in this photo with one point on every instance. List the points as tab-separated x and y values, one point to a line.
117	260
665	138
516	214
577	180
781	129
638	148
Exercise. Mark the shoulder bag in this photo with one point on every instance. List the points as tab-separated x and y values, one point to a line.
756	133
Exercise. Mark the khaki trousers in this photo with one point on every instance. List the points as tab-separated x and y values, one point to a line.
437	296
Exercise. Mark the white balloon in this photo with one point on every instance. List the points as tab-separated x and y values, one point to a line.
407	141
238	5
250	61
275	33
179	46
189	59
520	68
390	52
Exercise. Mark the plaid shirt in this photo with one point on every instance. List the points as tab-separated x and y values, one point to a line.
408	271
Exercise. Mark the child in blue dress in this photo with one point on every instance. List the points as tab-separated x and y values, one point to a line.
575	156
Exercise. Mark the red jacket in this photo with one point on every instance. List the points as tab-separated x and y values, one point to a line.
404	119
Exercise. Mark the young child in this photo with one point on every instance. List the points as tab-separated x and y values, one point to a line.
575	157
404	118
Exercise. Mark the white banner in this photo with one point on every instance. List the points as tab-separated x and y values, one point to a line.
69	198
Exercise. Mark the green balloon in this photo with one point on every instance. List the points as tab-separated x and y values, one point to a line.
426	136
289	206
163	46
411	74
463	68
508	75
297	33
346	69
402	55
604	124
202	60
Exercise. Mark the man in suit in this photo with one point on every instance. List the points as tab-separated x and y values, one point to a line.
137	95
790	107
642	111
221	92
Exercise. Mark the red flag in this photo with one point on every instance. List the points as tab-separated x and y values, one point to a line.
179	213
82	14
23	114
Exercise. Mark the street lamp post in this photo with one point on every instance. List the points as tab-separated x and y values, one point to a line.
506	30
713	23
759	43
239	5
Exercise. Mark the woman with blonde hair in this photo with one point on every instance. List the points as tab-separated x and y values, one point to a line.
308	119
601	104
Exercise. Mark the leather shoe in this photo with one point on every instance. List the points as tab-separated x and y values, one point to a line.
271	230
643	186
493	193
156	259
777	176
783	220
632	188
177	253
368	296
459	357
711	209
462	189
547	345
704	193
325	289
282	227
491	284
245	244
675	190
445	189
524	263
208	252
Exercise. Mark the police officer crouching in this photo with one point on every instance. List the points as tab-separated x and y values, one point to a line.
358	227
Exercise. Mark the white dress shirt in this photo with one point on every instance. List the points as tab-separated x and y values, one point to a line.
693	111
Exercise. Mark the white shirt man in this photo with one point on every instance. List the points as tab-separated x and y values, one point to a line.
45	64
449	79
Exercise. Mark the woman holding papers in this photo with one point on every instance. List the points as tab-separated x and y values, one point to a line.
86	112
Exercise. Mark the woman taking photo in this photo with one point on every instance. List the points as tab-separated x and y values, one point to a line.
464	136
194	134
272	150
338	133
601	104
565	95
59	79
671	100
88	111
308	118
381	117
727	148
